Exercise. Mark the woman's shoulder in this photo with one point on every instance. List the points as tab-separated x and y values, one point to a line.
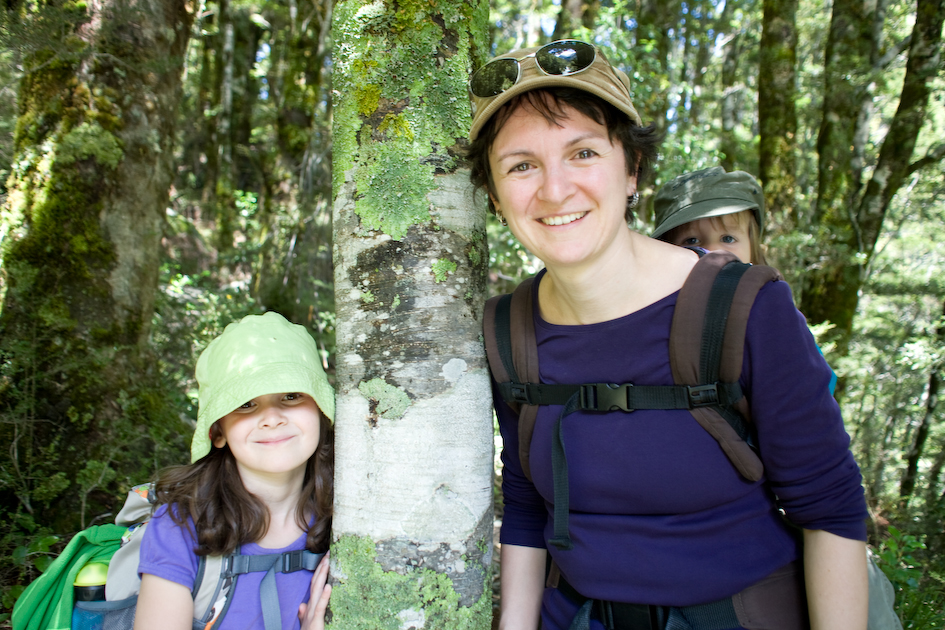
667	265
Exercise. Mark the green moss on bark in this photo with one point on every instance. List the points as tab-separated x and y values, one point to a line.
420	598
406	63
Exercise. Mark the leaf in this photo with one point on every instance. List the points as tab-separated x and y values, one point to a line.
42	563
43	544
19	555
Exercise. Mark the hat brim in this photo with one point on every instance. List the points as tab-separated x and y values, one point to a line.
272	378
703	210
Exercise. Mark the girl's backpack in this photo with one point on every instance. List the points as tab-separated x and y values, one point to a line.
48	602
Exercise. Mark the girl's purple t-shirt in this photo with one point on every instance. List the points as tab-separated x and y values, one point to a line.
167	551
658	514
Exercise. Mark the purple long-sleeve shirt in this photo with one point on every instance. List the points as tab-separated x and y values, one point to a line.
658	513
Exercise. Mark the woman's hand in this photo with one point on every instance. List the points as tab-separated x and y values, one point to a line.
523	582
312	614
837	585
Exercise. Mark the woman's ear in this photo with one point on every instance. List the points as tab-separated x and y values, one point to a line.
631	184
495	203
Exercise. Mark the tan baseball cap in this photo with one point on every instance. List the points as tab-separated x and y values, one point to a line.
707	193
600	79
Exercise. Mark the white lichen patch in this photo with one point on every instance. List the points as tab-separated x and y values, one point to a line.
454	370
411	619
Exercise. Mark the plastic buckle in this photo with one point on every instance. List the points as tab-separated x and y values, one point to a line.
519	393
703	395
292	561
606	397
227	569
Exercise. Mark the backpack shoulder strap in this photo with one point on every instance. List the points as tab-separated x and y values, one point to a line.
509	331
217	575
707	341
208	591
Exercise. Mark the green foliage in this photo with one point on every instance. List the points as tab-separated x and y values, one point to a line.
920	597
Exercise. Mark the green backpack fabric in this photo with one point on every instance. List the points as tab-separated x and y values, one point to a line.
47	602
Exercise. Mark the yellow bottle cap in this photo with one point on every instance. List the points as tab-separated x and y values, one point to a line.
92	574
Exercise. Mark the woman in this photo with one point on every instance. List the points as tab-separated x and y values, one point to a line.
658	516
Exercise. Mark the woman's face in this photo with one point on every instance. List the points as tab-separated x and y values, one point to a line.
562	189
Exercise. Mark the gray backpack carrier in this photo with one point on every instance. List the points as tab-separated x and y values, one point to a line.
214	584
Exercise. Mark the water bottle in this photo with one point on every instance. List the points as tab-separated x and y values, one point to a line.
89	586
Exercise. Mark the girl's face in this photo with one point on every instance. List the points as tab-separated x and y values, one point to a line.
271	435
713	233
562	189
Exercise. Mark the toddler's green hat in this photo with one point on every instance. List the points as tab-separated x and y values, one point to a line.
707	193
259	355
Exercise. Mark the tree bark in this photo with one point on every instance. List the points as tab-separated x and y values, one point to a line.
729	146
413	485
851	223
777	122
84	218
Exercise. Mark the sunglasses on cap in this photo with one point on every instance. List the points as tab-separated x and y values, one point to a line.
560	58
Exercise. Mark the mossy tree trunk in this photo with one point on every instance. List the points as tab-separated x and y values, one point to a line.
850	212
413	483
82	404
730	148
777	122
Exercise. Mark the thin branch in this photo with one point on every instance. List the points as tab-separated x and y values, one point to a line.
892	53
934	155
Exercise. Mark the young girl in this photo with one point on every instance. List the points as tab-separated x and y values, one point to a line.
260	481
713	209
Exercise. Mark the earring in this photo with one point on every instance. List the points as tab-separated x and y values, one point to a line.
501	219
633	200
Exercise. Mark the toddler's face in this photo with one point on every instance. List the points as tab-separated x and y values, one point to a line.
714	233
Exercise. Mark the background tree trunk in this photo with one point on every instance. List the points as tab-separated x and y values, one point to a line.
413	486
84	217
777	121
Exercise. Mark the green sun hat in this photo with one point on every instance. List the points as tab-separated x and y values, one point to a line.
257	356
711	192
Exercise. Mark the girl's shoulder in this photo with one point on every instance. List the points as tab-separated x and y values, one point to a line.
166	522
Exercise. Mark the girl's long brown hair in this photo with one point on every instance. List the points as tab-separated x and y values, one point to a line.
226	515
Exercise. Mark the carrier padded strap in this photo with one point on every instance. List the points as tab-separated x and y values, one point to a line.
503	326
686	341
525	360
733	351
496	334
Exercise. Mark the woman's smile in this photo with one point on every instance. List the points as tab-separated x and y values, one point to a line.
563	220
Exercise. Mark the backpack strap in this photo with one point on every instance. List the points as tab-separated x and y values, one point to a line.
509	329
707	343
216	581
706	352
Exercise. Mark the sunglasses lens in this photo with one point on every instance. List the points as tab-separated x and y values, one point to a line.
494	78
565	57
